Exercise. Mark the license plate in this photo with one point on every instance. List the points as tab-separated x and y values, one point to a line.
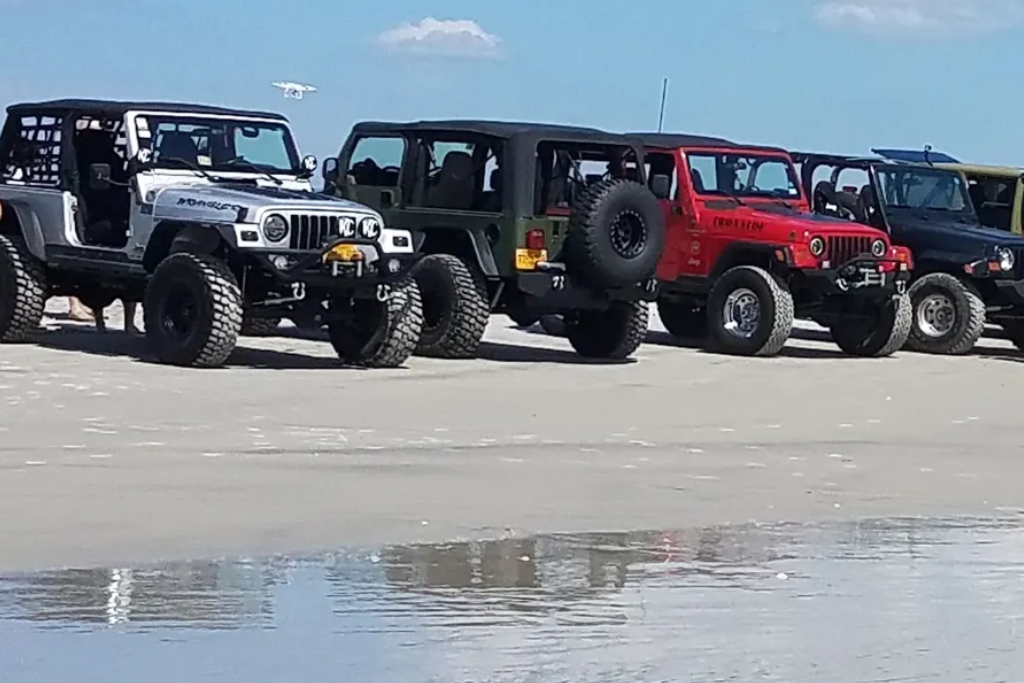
344	253
527	259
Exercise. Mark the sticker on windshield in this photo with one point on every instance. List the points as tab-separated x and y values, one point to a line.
144	134
204	160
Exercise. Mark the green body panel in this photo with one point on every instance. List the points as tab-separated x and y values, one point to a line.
981	171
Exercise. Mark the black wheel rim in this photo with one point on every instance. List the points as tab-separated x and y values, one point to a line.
179	312
628	235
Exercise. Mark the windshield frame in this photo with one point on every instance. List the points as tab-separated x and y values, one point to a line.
885	169
154	118
758	156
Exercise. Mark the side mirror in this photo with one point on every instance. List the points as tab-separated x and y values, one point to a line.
661	185
329	172
309	164
99	176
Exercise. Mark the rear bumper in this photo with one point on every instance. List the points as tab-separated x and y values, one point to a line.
554	289
858	278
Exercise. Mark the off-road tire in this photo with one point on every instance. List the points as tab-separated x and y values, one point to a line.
683	320
969	315
588	249
883	336
22	291
612	334
396	333
259	327
776	313
447	283
553	324
219	311
524	318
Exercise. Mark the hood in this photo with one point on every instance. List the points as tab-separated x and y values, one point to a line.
800	220
964	231
240	202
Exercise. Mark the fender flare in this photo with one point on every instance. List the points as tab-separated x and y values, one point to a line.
477	241
733	254
31	228
170	237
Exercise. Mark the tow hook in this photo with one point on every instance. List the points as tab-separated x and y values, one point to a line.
901	287
842	284
383	292
298	294
650	286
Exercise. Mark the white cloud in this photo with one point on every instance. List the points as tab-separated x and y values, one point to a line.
923	17
445	37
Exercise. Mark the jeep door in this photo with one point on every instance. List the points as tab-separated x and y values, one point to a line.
370	171
683	253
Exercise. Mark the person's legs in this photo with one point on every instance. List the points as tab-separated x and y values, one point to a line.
129	317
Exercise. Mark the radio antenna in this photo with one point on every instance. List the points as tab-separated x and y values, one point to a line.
661	113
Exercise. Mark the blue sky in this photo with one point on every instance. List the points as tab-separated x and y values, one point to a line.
819	75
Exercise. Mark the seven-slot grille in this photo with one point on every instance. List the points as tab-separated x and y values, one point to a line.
311	232
842	249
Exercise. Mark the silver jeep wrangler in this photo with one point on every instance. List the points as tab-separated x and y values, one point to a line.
205	215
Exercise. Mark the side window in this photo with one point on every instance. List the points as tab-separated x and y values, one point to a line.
703	172
460	175
377	162
663	165
993	199
32	148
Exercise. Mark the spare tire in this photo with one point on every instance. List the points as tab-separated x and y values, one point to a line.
616	234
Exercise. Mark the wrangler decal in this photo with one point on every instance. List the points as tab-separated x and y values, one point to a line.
207	204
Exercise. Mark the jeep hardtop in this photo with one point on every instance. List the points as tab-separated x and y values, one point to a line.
963	272
516	218
744	256
207	216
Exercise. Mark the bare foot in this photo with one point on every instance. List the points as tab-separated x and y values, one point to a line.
79	313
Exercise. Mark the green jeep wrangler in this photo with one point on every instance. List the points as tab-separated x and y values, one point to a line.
517	218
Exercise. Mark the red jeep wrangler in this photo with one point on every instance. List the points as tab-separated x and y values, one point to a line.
744	255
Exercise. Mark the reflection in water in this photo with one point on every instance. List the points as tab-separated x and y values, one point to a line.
871	601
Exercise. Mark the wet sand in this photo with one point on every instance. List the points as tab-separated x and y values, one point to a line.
106	458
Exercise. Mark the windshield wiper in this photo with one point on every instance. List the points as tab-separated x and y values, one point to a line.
191	166
258	169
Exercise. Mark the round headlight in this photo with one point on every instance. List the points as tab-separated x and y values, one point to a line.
369	228
879	248
817	246
1006	259
347	226
275	228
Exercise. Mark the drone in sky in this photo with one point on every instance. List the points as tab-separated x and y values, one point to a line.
292	90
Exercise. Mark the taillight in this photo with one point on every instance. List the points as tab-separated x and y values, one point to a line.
535	239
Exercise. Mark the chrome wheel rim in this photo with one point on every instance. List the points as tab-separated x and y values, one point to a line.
936	316
742	313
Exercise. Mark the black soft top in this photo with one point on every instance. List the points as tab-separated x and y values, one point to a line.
677	140
119	108
498	129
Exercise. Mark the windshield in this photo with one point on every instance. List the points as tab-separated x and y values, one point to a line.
905	187
218	144
743	174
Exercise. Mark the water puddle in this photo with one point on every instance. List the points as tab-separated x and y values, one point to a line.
893	600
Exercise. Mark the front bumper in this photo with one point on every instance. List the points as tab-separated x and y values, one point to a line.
862	277
1012	291
343	265
552	288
